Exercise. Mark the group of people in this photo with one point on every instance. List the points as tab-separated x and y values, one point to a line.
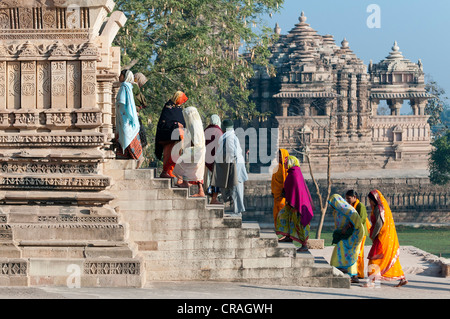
212	159
293	211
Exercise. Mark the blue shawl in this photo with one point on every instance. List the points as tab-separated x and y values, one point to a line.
127	122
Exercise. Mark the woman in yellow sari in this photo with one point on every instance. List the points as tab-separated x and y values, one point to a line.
277	184
383	257
347	236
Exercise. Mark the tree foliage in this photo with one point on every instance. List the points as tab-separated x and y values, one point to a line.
436	107
205	48
440	160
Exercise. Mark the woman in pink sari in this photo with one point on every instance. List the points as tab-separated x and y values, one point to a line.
294	219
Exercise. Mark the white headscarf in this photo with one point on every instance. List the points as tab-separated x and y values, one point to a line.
129	77
194	126
215	120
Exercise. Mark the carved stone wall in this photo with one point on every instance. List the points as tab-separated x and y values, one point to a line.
57	70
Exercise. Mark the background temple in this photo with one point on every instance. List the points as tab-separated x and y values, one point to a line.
317	81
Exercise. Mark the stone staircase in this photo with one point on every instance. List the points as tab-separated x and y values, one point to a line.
180	238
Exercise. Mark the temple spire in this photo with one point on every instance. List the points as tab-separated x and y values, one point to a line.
277	29
302	18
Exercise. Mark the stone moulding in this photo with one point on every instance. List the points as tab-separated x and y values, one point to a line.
53	140
14	197
51	118
77	219
47	168
13	268
45	182
111	268
55	51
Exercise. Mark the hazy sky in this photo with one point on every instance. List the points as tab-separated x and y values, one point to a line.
421	28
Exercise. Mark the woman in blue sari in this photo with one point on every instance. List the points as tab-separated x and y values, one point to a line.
127	121
347	236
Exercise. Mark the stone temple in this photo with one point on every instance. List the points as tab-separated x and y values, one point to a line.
318	82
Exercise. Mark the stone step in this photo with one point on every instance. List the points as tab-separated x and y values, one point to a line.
267	261
138	174
269	275
180	203
216	249
147	195
224	243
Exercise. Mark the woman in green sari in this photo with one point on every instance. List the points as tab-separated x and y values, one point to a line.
347	236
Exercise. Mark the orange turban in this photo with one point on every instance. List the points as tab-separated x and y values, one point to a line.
179	98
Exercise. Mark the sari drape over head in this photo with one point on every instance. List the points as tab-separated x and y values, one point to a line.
127	121
191	164
294	218
297	193
384	254
346	251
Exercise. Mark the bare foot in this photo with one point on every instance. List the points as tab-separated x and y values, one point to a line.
215	202
302	249
183	184
199	195
165	175
140	161
402	283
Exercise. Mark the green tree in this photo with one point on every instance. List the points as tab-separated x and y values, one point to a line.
440	160
205	48
436	107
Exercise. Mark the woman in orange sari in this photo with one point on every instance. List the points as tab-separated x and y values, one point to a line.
383	257
277	184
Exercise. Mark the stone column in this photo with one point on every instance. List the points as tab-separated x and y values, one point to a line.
284	104
306	105
422	105
414	106
395	106
374	106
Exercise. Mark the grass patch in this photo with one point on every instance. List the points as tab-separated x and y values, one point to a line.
434	240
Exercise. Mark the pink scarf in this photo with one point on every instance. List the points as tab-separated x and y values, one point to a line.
297	194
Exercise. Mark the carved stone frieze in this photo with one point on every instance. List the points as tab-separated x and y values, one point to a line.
47	168
77	219
112	268
13	268
55	183
52	140
88	118
53	51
